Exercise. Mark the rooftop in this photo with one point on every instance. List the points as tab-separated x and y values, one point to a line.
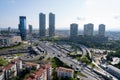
114	68
65	69
31	64
34	76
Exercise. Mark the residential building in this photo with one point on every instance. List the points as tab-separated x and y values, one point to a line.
42	25
2	71
101	30
51	24
43	73
40	74
88	29
48	68
73	30
65	72
30	65
22	27
13	69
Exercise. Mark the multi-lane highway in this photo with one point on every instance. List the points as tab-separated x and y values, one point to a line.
53	52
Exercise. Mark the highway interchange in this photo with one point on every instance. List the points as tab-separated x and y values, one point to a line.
53	52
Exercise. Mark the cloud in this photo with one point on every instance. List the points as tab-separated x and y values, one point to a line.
117	17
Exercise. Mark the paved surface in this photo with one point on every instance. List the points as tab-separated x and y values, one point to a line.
54	53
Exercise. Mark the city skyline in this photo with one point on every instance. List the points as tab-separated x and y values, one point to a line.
79	11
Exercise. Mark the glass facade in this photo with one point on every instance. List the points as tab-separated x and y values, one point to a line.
22	27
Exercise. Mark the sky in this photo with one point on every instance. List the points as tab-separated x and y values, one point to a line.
66	12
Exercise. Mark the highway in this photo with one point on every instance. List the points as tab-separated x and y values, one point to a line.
53	52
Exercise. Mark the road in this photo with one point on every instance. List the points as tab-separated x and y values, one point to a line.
53	52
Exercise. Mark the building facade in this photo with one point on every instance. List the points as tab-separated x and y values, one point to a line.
43	73
22	27
13	69
30	29
42	25
2	71
51	24
101	30
74	30
65	72
88	29
10	41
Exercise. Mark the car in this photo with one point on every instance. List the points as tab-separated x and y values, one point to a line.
58	55
77	68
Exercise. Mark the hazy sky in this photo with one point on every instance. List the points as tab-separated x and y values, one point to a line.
66	11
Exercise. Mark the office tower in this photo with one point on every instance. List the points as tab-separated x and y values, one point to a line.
51	24
88	29
30	29
22	27
42	26
101	30
73	30
9	29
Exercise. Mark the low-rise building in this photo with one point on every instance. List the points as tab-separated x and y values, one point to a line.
114	71
9	41
65	72
116	60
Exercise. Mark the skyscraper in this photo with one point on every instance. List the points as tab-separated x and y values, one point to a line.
101	30
73	30
88	29
51	24
22	27
42	25
30	29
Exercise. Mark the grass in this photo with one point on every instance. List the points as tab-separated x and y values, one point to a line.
18	54
85	59
92	65
11	47
57	63
3	62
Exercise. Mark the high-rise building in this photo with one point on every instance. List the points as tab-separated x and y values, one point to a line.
42	26
73	30
101	30
22	27
51	24
9	29
88	29
30	29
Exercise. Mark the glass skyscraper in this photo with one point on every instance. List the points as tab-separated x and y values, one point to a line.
42	25
73	30
51	24
22	27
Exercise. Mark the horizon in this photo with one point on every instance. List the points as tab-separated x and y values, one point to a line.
79	11
64	29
